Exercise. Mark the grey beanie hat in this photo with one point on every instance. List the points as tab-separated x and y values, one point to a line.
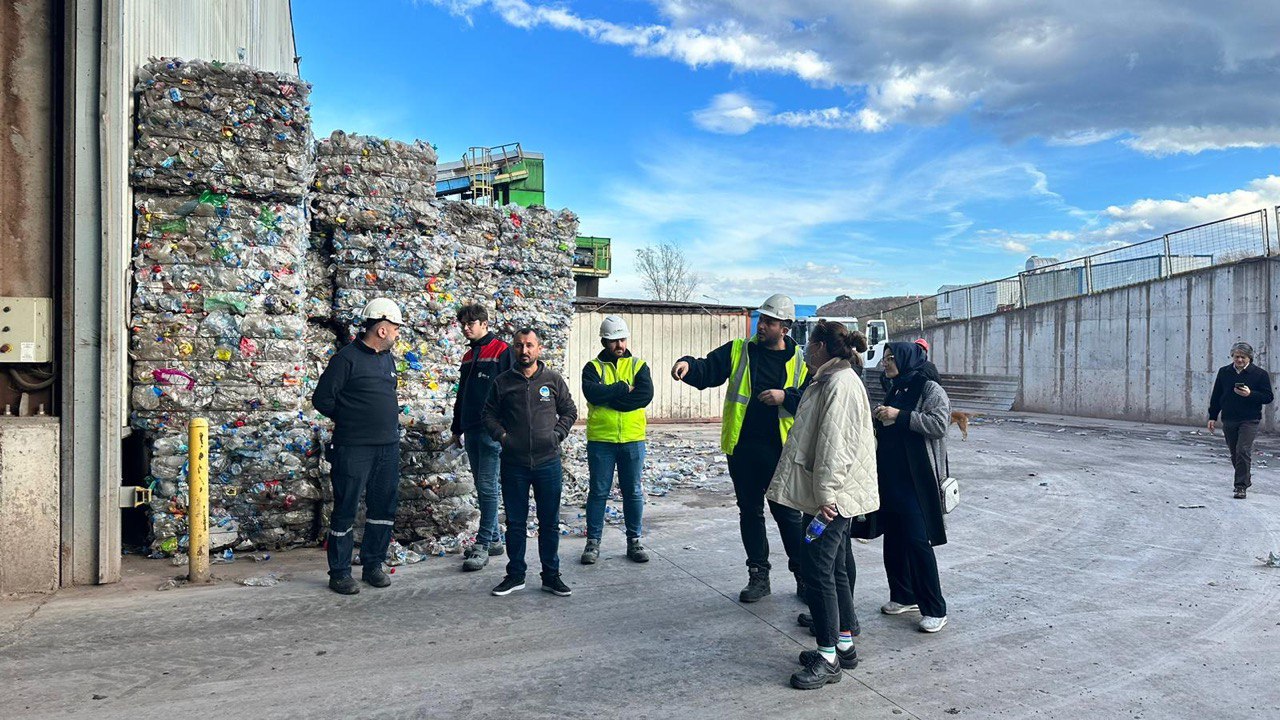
1244	348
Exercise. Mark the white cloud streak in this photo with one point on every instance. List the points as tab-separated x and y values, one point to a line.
1190	78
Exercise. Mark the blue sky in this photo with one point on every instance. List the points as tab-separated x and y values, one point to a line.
867	148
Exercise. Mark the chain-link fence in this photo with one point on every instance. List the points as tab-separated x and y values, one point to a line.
1217	243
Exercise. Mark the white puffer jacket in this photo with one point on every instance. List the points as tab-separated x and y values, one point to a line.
830	455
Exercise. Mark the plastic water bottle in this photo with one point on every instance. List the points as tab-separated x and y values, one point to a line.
815	530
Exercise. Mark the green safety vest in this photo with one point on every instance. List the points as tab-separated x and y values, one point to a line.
604	424
739	394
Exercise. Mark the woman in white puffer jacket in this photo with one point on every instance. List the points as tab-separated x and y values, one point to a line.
828	472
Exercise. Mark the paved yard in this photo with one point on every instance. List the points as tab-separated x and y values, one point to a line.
1083	578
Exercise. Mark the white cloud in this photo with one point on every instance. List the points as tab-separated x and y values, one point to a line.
1194	79
1150	218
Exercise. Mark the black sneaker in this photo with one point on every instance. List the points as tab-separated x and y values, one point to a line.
556	586
816	674
757	586
376	577
344	586
508	586
848	658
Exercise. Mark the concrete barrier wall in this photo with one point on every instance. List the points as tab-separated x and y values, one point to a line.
1146	353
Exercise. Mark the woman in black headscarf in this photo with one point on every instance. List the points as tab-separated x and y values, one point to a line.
911	455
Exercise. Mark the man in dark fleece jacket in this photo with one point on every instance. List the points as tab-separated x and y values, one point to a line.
530	412
774	380
1239	392
358	392
486	358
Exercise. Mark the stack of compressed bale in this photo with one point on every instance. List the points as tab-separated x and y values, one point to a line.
534	276
222	161
374	204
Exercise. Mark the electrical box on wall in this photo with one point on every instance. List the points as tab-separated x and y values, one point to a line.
26	330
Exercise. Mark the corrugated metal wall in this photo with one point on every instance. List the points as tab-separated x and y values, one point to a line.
660	338
254	32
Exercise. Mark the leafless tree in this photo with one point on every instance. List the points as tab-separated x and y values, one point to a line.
666	272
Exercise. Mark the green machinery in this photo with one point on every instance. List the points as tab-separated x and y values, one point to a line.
507	174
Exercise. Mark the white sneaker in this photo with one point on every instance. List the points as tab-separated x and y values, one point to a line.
893	608
932	624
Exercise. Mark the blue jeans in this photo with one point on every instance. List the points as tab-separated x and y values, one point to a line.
602	457
373	470
546	481
483	453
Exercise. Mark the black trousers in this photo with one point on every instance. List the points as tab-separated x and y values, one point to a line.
751	469
826	563
1240	436
909	562
374	471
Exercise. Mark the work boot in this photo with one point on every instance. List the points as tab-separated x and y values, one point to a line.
344	586
757	586
477	557
817	674
497	548
636	551
1240	494
376	577
591	553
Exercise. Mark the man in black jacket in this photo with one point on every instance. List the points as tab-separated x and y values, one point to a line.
766	376
486	358
358	392
530	412
1239	392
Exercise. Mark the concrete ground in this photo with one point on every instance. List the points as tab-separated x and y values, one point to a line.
1095	569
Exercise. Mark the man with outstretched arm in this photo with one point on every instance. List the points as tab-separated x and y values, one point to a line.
766	375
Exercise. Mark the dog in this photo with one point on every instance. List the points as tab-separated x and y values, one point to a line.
961	420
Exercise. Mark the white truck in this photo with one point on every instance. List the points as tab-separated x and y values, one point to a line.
877	332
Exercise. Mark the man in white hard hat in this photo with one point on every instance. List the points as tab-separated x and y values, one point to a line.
618	388
766	375
358	392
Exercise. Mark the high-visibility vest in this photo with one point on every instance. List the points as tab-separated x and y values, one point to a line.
604	424
738	394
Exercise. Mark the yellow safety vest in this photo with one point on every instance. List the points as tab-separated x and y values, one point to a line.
739	394
604	424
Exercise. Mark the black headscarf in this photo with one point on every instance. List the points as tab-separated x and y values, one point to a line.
910	358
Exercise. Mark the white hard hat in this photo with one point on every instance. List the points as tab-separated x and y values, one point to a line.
382	309
779	306
614	328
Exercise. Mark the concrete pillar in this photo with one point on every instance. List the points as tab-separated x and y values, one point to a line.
29	492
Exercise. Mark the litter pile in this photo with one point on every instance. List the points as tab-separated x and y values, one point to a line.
222	161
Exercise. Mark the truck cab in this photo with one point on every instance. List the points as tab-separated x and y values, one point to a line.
877	332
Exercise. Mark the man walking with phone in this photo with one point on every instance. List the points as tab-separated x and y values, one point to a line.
1239	392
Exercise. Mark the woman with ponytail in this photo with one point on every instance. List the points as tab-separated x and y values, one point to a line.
828	472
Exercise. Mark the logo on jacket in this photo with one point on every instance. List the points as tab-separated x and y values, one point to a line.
545	392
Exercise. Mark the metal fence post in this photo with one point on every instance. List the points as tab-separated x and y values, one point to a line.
1167	270
968	303
1022	290
920	314
1088	276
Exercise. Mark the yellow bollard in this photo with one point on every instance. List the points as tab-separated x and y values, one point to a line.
198	503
